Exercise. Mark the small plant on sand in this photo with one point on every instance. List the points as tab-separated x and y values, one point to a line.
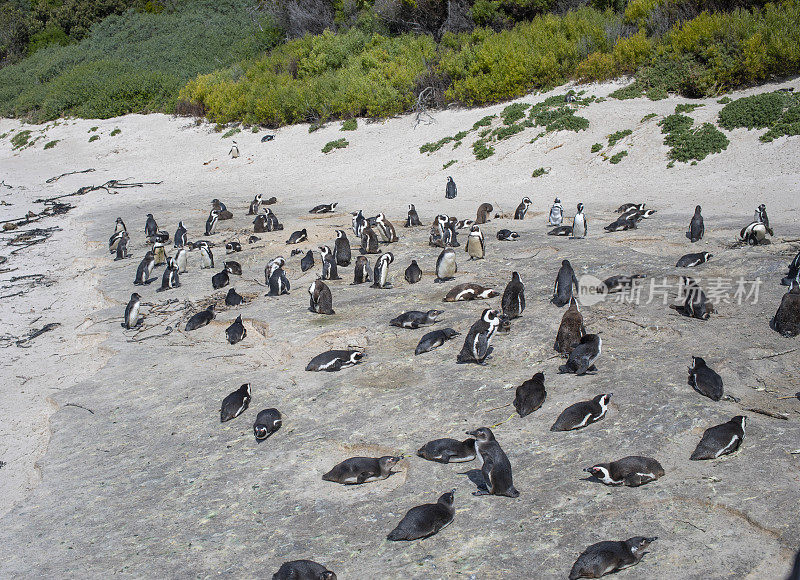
484	122
231	132
617	157
115	132
448	164
513	113
687	107
349	125
435	146
51	144
724	100
675	123
539	172
315	127
506	131
615	137
647	117
21	139
92	129
338	144
482	150
779	111
597	147
94	138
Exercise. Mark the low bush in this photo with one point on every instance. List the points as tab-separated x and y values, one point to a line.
675	123
755	112
597	147
94	138
51	144
539	172
448	164
482	150
338	144
616	136
115	132
617	157
696	144
21	139
349	125
687	107
647	117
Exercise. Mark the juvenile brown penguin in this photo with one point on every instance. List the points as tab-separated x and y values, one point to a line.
513	301
362	272
571	330
696	226
413	273
530	395
787	319
496	468
321	298
448	450
369	241
416	319
303	570
583	356
484	210
434	339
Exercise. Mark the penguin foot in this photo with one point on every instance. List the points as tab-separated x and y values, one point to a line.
481	492
732	398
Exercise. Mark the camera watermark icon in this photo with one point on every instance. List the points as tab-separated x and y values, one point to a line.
592	290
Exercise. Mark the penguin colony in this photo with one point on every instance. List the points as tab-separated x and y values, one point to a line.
581	348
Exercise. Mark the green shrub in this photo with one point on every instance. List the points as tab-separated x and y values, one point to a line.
687	107
51	144
92	129
484	122
231	132
506	131
696	143
597	147
616	158
754	112
94	138
647	117
21	139
514	112
315	127
435	146
788	124
631	91
349	125
724	100
482	150
539	172
616	136
627	55
675	123
448	164
115	132
338	144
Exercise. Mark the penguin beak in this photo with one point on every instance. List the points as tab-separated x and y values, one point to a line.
588	470
473	433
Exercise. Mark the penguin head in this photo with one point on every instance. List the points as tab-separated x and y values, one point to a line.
697	210
356	356
388	257
211	307
580	207
492	317
740	419
447	498
449	179
482	434
149	255
475	228
639	543
324	250
434	313
258	197
450	332
603	399
411	207
707	256
339	234
599	471
135	296
566	264
697	363
515	277
214	213
245	388
239	321
526	200
557	200
388	461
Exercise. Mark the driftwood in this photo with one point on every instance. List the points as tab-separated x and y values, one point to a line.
32	237
108	186
30	217
23	342
57	177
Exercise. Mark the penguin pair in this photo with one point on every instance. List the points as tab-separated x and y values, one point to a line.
116	237
221	209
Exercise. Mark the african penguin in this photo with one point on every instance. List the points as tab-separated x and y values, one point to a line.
477	343
145	269
448	450
297	237
207	256
565	280
475	246
513	301
236	332
446	266
235	403
341	249
220	279
307	262
434	339
692	260
469	291
369	241
704	379
323	208
496	468
560	231
267	422
484	210
632	471
386	229
303	570
412	219
416	318
277	280
224	214
233	267
621	225
181	238
255	205
794	272
131	319
359	223
150	226
260	224
450	190
329	269
605	557
571	329
358	470
696	227
273	225
211	222
507	235
413	273
522	208
583	356
618	283
234	152
321	298
380	277
233	298
170	278
628	206
425	520
696	304
580	227
530	395
761	216
579	415
720	440
787	319
754	233
159	253
362	271
335	360
557	215
119	228
122	247
200	319
182	259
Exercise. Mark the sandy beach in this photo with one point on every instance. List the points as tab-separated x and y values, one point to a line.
113	457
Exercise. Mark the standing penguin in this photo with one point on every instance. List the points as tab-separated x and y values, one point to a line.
412	219
150	226
583	356
119	230
182	259
413	273
341	249
359	223
321	298
605	557
207	255
235	403
181	239
787	319
720	440
565	281
530	395
446	266
362	271
170	278
380	278
272	224
696	227
307	262
475	246
278	282
476	345
131	319
369	241
513	301
234	152
522	208
267	422
255	205
211	222
761	215
145	269
236	332
556	213
159	253
496	467
484	210
704	379
580	227
425	520
450	190
571	330
329	270
386	229
122	247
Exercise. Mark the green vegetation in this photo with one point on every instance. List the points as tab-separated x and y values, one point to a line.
647	117
21	139
539	172
615	137
448	164
724	100
338	144
94	138
435	146
92	129
616	158
779	111
349	125
675	123
484	122
687	107
482	150
687	143
115	132
231	132
51	144
597	147
315	127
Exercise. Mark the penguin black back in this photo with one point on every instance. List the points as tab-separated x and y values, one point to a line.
303	570
425	520
704	379
565	280
605	557
413	273
236	332
235	403
787	318
233	298
530	395
696	226
200	319
267	422
579	415
513	302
